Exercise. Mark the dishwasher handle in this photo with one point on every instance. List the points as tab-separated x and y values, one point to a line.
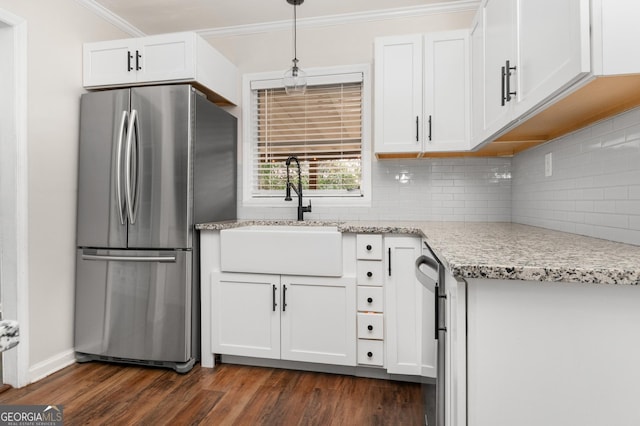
428	282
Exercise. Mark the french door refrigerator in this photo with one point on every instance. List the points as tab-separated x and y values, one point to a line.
153	161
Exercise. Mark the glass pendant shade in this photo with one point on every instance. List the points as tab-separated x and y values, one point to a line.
295	80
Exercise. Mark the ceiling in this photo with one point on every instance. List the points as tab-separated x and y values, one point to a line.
163	16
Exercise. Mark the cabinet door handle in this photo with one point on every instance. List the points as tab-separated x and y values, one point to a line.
274	298
369	299
129	58
389	261
509	68
138	57
504	82
369	354
429	128
369	274
370	327
368	247
284	298
417	128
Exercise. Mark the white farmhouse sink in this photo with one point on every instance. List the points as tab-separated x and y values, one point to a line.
286	250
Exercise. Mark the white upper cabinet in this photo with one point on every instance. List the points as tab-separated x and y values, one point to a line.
172	58
447	91
398	94
422	94
554	48
527	51
499	53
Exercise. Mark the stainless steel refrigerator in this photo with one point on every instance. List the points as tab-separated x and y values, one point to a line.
153	161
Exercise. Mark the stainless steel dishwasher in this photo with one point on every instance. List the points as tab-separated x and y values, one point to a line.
430	273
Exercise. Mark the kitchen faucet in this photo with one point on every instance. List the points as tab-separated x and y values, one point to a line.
298	190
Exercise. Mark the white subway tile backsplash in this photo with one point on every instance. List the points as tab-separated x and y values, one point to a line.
449	189
594	189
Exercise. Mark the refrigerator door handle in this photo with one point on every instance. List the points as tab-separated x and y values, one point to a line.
121	135
131	172
101	257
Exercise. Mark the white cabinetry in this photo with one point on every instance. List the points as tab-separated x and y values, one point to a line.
370	300
410	323
317	323
422	93
284	317
176	57
245	314
523	54
553	354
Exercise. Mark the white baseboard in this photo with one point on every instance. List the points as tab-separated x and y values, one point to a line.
49	366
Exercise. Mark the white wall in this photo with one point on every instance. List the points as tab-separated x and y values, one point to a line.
56	31
595	186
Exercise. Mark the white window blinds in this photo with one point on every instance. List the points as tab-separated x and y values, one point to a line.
323	128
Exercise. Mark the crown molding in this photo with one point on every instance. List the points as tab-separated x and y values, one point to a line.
344	19
320	21
111	17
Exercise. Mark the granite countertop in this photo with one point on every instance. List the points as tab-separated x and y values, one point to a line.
502	250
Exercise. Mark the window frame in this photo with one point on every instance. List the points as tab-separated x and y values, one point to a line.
248	147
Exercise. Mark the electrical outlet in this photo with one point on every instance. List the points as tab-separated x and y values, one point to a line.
548	165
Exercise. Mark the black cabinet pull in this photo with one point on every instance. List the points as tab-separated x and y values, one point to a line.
369	354
369	300
274	298
129	58
429	128
370	327
503	98
509	68
138	57
369	247
417	128
369	274
389	261
284	298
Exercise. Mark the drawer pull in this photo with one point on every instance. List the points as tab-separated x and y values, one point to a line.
369	299
369	274
370	327
370	354
369	247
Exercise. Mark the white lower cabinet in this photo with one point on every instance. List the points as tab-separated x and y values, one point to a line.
284	317
245	314
317	323
409	311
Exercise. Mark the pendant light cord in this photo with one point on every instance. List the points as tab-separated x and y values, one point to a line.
295	35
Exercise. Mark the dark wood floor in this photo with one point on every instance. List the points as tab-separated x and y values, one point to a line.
100	393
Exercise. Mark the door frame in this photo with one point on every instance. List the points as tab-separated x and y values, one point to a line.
14	266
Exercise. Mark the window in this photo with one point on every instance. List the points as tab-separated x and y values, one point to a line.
326	129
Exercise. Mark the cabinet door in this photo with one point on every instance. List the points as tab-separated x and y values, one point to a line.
477	79
398	94
166	57
446	99
318	320
554	48
245	314
108	63
499	47
403	307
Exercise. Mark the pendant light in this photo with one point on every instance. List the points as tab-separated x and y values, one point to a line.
295	80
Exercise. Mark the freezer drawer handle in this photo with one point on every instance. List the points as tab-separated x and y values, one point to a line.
129	258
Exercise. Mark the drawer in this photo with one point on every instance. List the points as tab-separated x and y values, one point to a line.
369	272
369	247
370	326
371	352
370	299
